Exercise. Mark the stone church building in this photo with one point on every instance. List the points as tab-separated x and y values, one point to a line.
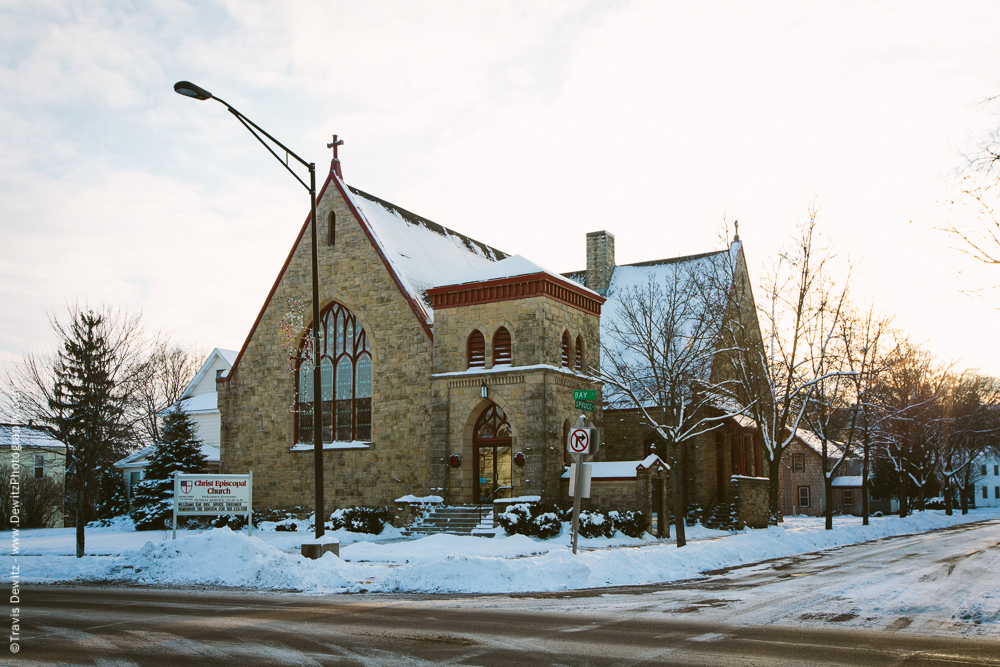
448	367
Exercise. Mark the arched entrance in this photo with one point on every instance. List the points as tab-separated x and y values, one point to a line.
491	441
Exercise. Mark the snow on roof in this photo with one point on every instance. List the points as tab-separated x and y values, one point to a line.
140	458
617	469
847	480
28	437
664	273
201	403
513	266
422	253
420	500
815	443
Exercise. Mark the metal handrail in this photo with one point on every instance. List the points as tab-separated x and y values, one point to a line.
497	490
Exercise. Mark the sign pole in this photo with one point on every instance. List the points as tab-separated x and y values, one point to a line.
174	503
578	489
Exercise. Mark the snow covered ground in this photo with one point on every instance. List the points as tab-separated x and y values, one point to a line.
438	563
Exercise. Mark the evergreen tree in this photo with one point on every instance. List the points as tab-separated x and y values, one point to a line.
179	451
89	405
113	501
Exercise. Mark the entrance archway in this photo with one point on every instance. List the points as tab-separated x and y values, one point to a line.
491	441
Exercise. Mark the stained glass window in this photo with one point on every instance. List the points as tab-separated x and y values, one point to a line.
346	367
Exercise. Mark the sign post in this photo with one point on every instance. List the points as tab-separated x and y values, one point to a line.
582	440
207	495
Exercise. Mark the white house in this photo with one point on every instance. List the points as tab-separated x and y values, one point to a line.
199	400
987	485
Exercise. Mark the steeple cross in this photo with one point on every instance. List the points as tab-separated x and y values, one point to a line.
336	142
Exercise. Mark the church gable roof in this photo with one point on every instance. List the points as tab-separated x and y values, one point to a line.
417	252
421	253
629	277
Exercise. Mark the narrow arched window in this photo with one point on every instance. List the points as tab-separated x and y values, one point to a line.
346	381
578	365
476	350
331	225
565	349
501	346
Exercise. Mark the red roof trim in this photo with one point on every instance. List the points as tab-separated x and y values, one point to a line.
516	287
417	309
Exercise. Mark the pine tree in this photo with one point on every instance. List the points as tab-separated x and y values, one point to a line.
88	407
179	451
113	501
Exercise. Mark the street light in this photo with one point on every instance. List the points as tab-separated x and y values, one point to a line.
189	89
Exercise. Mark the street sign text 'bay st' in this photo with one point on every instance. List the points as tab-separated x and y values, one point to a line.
583	399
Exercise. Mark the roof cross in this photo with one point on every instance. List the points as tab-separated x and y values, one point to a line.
336	142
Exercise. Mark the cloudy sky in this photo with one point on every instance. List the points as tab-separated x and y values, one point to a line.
522	124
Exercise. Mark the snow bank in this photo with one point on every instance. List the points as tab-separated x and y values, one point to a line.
222	557
442	563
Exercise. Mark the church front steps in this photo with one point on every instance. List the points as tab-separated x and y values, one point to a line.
454	520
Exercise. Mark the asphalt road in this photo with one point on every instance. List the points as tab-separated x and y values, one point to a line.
788	611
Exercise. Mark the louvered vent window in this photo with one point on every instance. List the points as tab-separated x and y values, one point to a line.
579	354
501	346
565	349
477	350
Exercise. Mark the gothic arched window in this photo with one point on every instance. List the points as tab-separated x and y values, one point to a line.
346	372
579	354
501	346
476	350
565	349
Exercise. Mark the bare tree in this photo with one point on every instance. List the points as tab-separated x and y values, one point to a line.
828	364
779	376
967	426
908	394
865	335
658	354
169	370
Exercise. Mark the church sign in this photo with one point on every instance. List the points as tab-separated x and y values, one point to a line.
211	495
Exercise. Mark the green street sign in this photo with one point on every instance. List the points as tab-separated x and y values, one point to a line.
584	405
585	395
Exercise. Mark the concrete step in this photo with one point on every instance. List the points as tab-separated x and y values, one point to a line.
453	520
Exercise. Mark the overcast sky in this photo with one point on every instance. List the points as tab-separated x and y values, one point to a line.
522	124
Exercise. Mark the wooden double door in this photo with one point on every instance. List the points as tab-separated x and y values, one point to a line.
492	442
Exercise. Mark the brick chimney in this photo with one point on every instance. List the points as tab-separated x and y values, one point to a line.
600	261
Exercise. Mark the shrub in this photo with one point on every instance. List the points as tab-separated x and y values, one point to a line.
596	524
361	519
631	524
531	520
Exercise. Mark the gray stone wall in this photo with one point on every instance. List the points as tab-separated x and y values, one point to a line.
257	424
751	508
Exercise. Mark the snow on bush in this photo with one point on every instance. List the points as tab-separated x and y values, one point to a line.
629	523
596	524
529	519
362	519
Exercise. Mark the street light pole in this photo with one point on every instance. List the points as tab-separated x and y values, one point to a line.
189	89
